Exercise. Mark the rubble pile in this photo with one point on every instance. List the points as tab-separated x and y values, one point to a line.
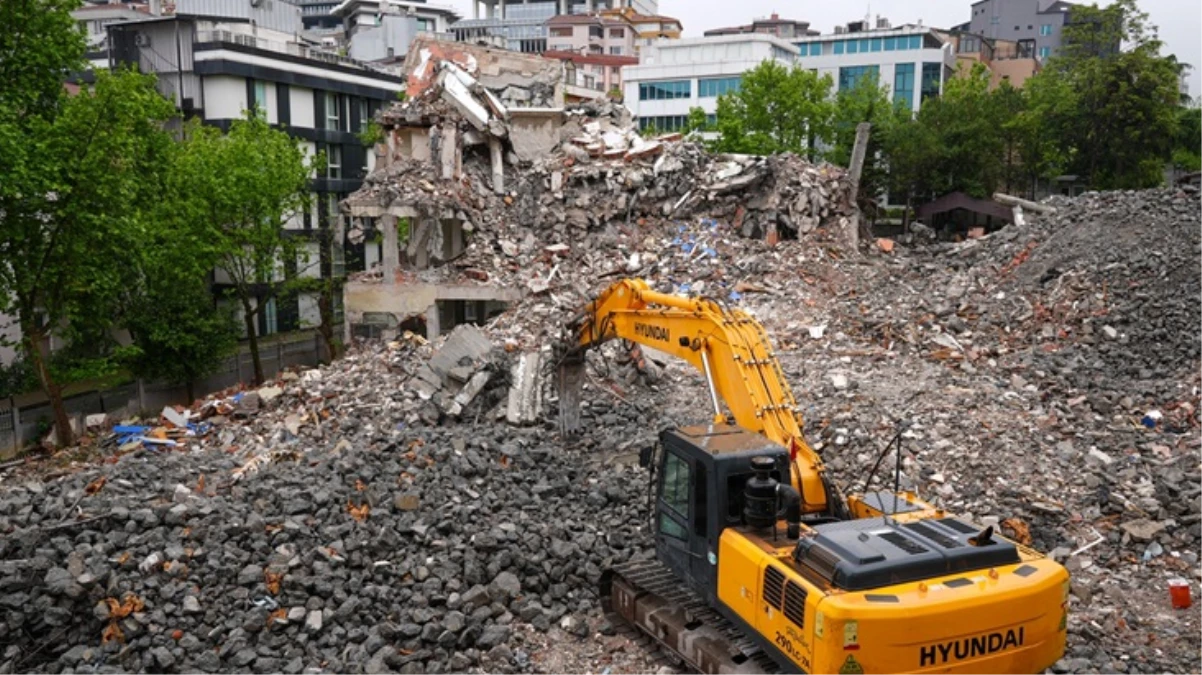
405	510
322	532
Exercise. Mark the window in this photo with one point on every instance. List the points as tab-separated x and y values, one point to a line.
890	44
1045	29
815	49
915	42
714	87
838	47
659	91
333	111
269	318
1026	49
616	51
969	45
260	102
561	31
617	32
664	123
853	46
849	76
931	79
596	32
675	495
671	527
876	44
364	114
864	45
903	84
334	161
1045	52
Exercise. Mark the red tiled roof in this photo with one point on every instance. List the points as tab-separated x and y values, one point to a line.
594	59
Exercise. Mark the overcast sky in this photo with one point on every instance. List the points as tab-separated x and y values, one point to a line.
1180	21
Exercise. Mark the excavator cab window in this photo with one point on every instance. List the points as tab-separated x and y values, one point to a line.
674	495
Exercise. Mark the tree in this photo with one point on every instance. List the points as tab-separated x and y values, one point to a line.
1117	126
697	121
73	184
1188	142
179	334
776	109
243	187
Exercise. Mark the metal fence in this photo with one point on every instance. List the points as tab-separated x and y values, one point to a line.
22	421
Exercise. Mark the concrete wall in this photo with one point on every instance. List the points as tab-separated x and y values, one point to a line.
301	107
373	43
225	97
534	133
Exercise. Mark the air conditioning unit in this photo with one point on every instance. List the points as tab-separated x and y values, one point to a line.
141	39
840	30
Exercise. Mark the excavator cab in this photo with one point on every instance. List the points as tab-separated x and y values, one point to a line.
701	476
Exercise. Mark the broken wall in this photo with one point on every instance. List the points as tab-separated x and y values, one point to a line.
520	80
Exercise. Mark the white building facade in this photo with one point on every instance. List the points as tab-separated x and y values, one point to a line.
912	61
216	69
674	76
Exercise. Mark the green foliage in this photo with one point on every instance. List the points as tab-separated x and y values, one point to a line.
776	109
372	134
1188	143
697	121
1116	123
649	131
239	190
74	184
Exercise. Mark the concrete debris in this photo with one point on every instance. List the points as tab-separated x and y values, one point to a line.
414	501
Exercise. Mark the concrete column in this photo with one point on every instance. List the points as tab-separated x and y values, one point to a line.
563	6
448	151
391	256
502	5
489	8
433	326
498	165
475	9
590	7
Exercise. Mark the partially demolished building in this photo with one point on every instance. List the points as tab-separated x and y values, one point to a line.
489	192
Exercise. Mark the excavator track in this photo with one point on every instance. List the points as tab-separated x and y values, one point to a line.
646	595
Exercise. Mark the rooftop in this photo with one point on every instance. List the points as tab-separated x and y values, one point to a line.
802	27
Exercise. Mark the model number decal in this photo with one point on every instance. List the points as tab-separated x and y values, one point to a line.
786	645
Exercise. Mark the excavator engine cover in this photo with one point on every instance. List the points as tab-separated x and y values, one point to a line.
869	553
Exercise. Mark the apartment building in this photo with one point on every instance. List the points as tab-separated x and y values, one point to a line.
912	60
217	67
521	25
378	30
1037	26
1005	60
674	76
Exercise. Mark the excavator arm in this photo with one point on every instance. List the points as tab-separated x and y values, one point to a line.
729	347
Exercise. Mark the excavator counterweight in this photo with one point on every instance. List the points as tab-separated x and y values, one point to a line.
762	567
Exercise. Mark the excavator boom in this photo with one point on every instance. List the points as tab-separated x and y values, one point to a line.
729	347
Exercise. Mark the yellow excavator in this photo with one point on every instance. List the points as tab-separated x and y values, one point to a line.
762	567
